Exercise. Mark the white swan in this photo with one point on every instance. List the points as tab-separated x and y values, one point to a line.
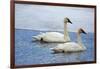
55	36
71	46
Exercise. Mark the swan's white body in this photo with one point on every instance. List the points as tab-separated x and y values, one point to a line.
70	46
54	36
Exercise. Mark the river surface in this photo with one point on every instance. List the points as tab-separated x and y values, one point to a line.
34	52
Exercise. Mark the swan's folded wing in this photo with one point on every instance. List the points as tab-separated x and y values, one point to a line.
54	37
72	46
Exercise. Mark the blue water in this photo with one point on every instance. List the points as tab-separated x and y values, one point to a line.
34	52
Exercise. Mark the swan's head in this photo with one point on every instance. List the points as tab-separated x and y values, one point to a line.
67	20
81	31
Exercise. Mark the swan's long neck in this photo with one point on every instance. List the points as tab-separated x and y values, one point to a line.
66	35
79	39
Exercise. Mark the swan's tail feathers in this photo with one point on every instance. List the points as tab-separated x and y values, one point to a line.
57	50
51	48
34	38
41	32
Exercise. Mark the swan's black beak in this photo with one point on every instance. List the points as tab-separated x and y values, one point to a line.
69	20
83	31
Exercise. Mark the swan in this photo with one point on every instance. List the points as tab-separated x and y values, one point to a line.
71	46
55	36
